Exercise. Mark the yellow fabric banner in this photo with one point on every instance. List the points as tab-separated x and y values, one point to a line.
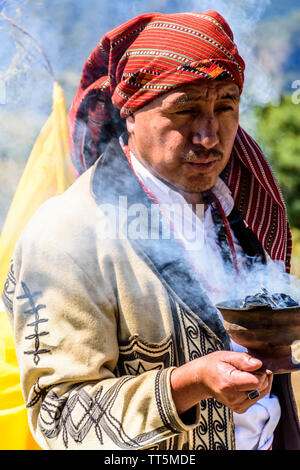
48	172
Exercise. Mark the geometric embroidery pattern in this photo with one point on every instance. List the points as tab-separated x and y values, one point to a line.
39	394
34	310
9	288
215	430
76	414
138	356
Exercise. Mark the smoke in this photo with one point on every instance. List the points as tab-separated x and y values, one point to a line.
221	278
69	30
260	86
271	276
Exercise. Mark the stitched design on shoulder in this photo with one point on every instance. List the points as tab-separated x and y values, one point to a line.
9	288
34	310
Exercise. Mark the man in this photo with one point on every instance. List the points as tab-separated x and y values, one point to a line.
119	342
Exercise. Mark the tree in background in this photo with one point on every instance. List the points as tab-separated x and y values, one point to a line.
279	136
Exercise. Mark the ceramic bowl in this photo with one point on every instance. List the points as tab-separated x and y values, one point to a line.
271	334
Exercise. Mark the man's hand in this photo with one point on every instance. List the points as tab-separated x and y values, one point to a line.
224	375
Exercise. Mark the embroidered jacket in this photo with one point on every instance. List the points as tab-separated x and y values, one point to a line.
100	322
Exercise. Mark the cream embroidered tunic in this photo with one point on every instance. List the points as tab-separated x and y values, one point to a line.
98	331
253	429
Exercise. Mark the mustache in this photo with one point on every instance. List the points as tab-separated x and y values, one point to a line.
204	154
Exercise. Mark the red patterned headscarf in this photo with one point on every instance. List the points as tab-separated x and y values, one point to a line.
153	54
141	59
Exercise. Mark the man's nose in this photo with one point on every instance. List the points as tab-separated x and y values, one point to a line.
205	131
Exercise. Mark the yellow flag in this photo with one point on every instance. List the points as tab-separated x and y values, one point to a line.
48	172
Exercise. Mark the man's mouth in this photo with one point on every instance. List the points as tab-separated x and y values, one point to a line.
203	162
203	166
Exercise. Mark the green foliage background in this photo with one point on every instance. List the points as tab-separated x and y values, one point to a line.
278	133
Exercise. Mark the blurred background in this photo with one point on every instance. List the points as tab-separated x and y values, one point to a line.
43	39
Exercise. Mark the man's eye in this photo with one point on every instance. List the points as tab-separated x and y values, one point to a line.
186	111
225	108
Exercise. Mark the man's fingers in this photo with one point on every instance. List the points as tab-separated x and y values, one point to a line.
244	381
243	361
228	376
241	369
263	389
244	402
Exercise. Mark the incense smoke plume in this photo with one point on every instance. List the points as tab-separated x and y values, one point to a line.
69	31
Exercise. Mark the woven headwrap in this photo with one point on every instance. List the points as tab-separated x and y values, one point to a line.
153	54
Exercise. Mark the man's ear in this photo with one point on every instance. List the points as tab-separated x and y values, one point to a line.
130	123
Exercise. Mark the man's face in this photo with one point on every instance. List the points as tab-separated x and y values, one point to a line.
185	137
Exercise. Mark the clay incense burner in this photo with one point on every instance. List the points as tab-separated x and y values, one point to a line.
269	330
